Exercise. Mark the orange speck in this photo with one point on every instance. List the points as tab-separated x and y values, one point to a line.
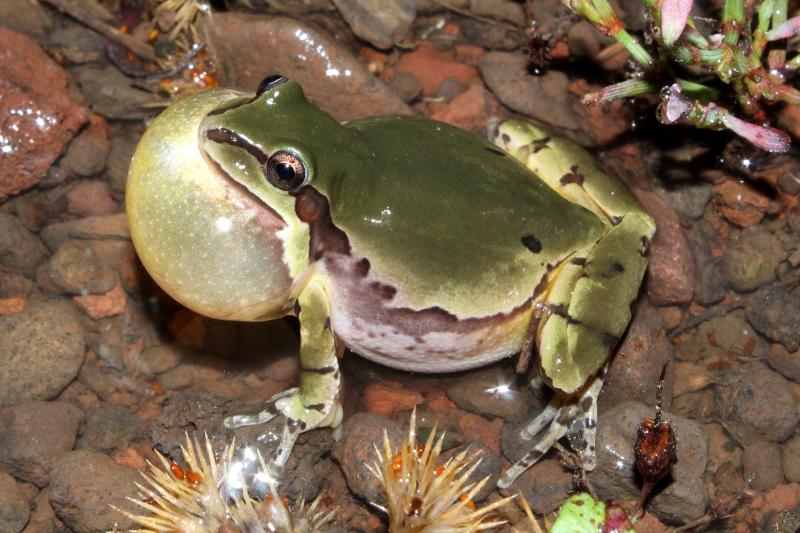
130	55
152	35
420	448
150	501
749	345
193	477
124	28
469	502
438	471
397	464
177	471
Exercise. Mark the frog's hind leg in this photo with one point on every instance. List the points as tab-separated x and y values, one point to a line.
575	417
588	305
315	403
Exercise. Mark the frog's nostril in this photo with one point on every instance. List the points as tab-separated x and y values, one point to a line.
269	82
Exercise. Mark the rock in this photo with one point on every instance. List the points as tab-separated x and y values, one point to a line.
180	377
41	351
433	67
159	359
111	94
740	203
84	486
489	464
20	250
722	449
471	110
785	363
330	74
382	23
762	464
635	369
87	153
26	16
710	285
544	98
38	207
500	10
14	509
750	261
385	399
687	199
790	459
757	403
682	498
77	43
355	449
670	274
34	435
123	144
113	227
13	284
406	86
34	139
108	304
493	391
108	427
76	269
774	313
42	515
688	377
87	198
545	486
489	36
718	337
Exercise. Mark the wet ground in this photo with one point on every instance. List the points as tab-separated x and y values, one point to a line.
98	366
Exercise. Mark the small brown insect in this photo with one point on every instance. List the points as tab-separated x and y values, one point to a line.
655	449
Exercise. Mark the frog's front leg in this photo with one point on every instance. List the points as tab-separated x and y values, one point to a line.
587	304
315	403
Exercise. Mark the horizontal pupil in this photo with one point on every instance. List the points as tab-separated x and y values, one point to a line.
284	171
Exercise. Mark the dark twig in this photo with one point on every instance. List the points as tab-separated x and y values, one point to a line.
73	9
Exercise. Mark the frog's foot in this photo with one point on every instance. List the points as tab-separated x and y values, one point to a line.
574	416
298	416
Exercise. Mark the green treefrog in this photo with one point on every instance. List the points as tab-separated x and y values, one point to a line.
413	243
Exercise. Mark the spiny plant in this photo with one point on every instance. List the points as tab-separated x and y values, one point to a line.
210	497
741	50
423	496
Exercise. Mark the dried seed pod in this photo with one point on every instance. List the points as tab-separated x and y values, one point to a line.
655	449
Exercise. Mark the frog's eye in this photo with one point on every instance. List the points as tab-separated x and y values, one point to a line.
269	82
286	171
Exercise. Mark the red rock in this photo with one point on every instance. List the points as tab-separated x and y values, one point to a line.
431	67
739	203
89	198
476	428
469	54
469	110
105	305
604	122
37	116
129	457
13	305
386	399
671	270
87	153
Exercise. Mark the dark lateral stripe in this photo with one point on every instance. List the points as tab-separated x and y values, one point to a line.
318	407
226	136
321	370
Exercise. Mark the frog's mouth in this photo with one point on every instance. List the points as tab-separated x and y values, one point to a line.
238	193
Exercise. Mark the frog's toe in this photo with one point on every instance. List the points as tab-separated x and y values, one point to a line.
573	416
298	417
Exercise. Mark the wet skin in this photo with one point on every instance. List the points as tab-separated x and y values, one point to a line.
414	243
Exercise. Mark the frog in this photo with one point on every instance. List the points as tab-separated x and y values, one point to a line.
415	244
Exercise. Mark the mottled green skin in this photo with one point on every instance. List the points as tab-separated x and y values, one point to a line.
446	230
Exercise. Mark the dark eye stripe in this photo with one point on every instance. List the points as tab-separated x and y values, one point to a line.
226	136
